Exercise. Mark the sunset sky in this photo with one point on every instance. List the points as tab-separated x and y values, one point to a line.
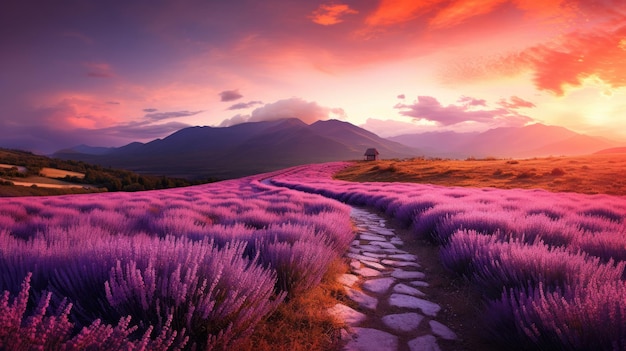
105	73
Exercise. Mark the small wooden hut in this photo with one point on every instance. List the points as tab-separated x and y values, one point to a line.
371	154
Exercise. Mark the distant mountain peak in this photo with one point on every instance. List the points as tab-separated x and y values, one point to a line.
248	148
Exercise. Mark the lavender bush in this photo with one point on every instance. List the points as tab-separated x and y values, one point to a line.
551	266
45	330
193	268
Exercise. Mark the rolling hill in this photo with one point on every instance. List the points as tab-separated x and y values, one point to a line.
243	149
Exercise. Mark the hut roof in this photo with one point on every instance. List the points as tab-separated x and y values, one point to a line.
371	152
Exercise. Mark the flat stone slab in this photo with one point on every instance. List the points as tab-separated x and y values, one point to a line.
407	301
375	255
396	241
404	257
368	339
391	252
424	343
373	265
403	322
419	283
378	286
402	274
367	272
407	290
372	237
442	331
363	299
369	248
400	263
360	257
382	231
347	314
383	244
354	250
355	264
347	279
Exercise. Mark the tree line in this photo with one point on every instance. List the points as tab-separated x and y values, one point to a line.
102	177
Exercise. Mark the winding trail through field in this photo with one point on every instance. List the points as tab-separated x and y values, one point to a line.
385	282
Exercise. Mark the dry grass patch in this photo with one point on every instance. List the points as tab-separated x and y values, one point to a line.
591	174
303	323
60	173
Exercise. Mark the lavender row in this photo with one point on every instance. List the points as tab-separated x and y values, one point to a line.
550	266
193	267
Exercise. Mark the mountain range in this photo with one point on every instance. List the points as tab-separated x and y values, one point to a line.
535	140
256	147
243	149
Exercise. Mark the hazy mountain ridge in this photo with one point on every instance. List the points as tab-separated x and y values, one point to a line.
256	147
530	141
244	149
613	150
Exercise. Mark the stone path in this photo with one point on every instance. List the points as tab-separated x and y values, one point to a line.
392	312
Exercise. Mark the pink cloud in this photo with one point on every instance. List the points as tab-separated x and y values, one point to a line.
245	105
428	108
230	95
470	101
158	116
307	111
515	102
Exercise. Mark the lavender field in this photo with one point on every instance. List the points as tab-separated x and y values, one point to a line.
189	268
550	266
199	267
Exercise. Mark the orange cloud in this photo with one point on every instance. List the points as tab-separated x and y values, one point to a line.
580	56
391	12
461	10
444	14
330	14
